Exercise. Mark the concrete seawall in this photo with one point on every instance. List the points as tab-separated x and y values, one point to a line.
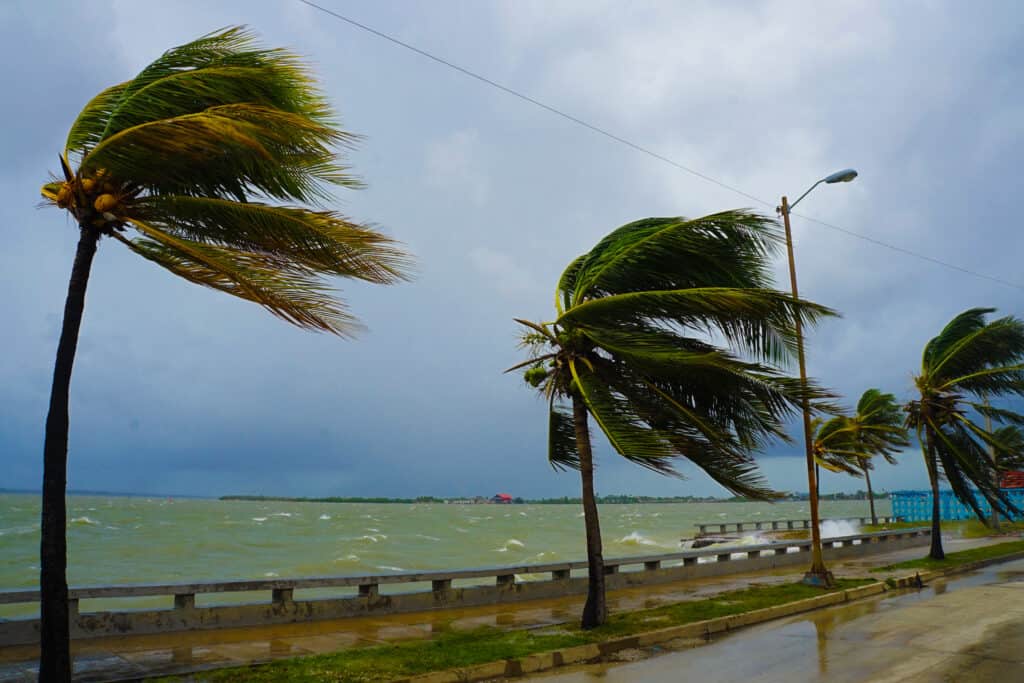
443	593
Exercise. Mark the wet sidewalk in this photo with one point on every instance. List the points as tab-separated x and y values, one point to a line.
133	657
893	638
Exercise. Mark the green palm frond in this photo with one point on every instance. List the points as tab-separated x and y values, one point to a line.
756	321
322	240
562	452
197	151
291	293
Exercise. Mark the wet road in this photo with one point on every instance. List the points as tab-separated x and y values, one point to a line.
967	630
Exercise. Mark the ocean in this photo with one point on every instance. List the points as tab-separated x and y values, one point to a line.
122	540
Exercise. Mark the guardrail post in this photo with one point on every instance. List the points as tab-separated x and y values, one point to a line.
805	548
281	595
702	528
753	554
739	527
689	561
757	525
611	569
184	601
782	551
441	585
561	575
723	557
654	565
775	525
789	524
722	528
369	590
807	524
505	580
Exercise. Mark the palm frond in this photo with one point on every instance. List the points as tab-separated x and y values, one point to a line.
625	430
321	240
959	327
755	321
727	249
235	150
562	452
291	293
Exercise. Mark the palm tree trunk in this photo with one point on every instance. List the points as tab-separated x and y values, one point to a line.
871	495
595	611
817	481
936	552
55	653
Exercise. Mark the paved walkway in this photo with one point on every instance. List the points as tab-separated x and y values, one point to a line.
131	657
967	629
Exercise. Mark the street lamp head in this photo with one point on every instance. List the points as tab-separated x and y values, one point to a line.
844	176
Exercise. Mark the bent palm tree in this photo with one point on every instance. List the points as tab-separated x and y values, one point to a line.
850	443
970	357
181	165
631	347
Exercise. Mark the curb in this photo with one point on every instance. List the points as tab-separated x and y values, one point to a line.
543	661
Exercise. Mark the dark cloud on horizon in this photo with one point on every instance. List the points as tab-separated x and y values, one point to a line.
180	389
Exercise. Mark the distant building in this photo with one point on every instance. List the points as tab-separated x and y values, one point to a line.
1012	480
503	498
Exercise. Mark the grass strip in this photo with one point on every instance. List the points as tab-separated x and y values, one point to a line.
958	558
452	649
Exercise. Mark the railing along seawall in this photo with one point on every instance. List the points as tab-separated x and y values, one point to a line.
781	524
367	598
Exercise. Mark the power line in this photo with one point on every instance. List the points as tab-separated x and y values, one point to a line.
644	150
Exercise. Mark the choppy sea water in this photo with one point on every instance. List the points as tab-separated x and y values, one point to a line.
119	540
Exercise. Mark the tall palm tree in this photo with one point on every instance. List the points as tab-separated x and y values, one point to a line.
850	443
203	163
969	359
633	347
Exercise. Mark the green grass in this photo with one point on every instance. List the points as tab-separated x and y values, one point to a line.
958	558
451	649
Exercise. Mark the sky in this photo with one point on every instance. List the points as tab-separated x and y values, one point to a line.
180	389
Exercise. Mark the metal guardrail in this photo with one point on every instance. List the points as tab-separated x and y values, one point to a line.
368	585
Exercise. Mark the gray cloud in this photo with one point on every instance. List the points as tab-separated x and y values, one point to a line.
182	389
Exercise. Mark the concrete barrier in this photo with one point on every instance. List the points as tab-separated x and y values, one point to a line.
183	614
779	524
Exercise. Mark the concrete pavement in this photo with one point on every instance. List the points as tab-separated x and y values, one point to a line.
966	629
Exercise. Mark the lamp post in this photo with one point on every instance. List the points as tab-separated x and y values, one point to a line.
818	575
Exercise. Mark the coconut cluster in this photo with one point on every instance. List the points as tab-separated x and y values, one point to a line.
96	200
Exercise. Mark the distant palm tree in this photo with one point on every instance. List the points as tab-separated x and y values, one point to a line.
634	346
850	443
191	156
970	357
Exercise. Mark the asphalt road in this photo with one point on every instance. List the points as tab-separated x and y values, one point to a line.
969	629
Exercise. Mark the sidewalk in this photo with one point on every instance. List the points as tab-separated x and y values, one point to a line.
131	657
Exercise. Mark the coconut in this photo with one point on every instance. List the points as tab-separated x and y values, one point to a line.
105	203
88	184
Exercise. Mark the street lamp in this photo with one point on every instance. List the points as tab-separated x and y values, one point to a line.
818	574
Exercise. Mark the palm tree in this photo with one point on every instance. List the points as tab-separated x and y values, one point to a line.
633	346
850	443
969	359
191	165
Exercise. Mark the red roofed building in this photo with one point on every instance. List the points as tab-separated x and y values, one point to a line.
1012	480
502	498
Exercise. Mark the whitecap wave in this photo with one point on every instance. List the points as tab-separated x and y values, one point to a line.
512	543
83	520
325	516
259	519
429	538
635	538
390	569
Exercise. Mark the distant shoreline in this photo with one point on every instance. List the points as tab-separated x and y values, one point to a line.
604	500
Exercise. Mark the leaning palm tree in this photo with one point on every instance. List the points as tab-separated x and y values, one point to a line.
633	347
850	443
205	164
969	359
829	445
